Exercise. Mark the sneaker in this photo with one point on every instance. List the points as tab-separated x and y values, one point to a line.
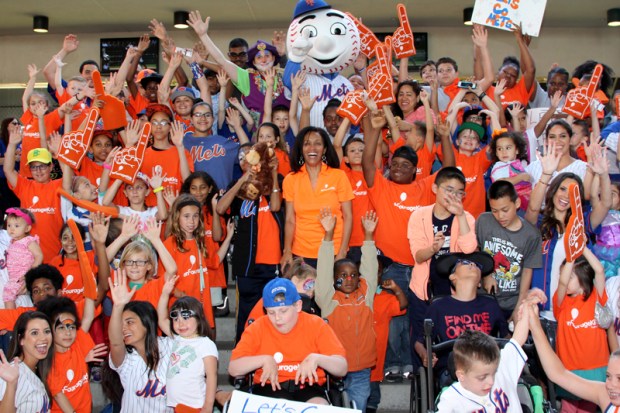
408	375
222	310
95	374
392	377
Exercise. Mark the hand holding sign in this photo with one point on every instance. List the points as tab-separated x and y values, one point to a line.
74	145
353	107
578	100
113	111
403	36
367	37
574	235
127	162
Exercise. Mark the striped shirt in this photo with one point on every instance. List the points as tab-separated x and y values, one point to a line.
30	396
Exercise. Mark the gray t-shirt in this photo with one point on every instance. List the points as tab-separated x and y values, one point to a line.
512	251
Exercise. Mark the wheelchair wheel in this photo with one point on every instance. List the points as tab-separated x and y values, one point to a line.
336	397
423	391
346	402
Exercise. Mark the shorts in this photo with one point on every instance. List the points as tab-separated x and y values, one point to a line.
291	391
11	288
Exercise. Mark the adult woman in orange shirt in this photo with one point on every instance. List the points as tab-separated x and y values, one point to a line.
314	183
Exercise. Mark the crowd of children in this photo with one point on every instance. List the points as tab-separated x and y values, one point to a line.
444	205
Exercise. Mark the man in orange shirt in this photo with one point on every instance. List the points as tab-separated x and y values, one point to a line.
289	349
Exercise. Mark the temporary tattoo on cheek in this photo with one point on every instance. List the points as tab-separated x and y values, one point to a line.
308	285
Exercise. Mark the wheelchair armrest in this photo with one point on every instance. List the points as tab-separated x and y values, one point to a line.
240	382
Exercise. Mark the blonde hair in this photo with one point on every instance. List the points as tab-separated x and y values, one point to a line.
137	247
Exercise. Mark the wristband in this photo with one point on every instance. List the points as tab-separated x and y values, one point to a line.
275	190
482	95
544	173
197	72
544	183
107	166
158	189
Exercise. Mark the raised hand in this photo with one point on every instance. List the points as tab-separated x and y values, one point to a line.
306	99
500	88
222	78
369	222
152	229
97	353
158	29
327	219
130	227
70	43
33	71
98	227
270	76
156	180
9	372
170	195
195	20
550	160
145	41
279	41
232	118
119	288
177	132
16	134
169	286
479	36
298	79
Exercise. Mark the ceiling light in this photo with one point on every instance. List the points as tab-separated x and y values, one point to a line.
467	13
613	17
180	19
40	24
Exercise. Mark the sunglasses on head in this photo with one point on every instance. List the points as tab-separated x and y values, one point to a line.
185	314
467	262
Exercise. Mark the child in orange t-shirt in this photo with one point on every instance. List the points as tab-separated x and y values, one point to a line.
68	379
187	245
581	342
345	294
270	134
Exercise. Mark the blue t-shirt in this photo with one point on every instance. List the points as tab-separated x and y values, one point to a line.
214	155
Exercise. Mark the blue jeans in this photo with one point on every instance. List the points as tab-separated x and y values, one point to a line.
417	311
357	386
398	355
375	395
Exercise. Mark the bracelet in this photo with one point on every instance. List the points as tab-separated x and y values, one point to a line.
362	69
544	183
275	191
107	166
76	96
158	189
544	173
197	73
482	95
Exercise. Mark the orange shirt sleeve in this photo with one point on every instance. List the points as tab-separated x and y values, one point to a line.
9	317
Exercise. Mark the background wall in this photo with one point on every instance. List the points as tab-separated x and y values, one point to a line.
568	47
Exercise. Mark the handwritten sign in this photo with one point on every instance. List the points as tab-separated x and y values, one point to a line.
249	403
504	14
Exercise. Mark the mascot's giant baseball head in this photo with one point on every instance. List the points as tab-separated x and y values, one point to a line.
322	40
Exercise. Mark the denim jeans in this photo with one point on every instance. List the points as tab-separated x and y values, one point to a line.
398	355
357	386
416	311
375	395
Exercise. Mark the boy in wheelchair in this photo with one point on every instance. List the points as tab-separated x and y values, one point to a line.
289	349
465	309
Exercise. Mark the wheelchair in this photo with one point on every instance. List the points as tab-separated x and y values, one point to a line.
334	391
424	386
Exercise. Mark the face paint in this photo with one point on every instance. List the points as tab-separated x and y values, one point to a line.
308	284
334	37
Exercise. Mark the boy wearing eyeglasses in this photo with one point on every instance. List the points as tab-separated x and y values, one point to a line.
515	244
464	309
433	231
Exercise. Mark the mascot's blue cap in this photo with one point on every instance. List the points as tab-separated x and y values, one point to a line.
306	6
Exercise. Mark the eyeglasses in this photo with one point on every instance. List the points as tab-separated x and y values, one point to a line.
185	314
205	115
160	123
39	167
457	193
467	262
474	118
237	55
135	263
15	122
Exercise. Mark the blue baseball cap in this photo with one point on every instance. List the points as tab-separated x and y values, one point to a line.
280	292
306	6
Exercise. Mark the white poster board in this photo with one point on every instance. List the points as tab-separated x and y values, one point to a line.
249	403
504	14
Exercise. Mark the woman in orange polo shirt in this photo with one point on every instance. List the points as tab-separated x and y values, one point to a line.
314	183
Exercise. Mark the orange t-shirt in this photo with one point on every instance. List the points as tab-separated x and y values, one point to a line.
188	270
32	139
332	189
394	204
268	250
385	306
217	277
581	344
518	93
73	285
44	203
69	374
310	335
474	168
168	160
284	164
138	102
92	171
360	204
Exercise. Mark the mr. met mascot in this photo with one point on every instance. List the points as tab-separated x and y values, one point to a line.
322	42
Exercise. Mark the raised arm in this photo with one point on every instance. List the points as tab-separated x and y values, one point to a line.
339	137
233	119
222	79
249	120
152	233
69	45
528	67
176	137
270	76
120	297
482	58
164	86
32	79
428	118
549	162
162	305
600	187
542	123
372	137
98	230
201	28
296	82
